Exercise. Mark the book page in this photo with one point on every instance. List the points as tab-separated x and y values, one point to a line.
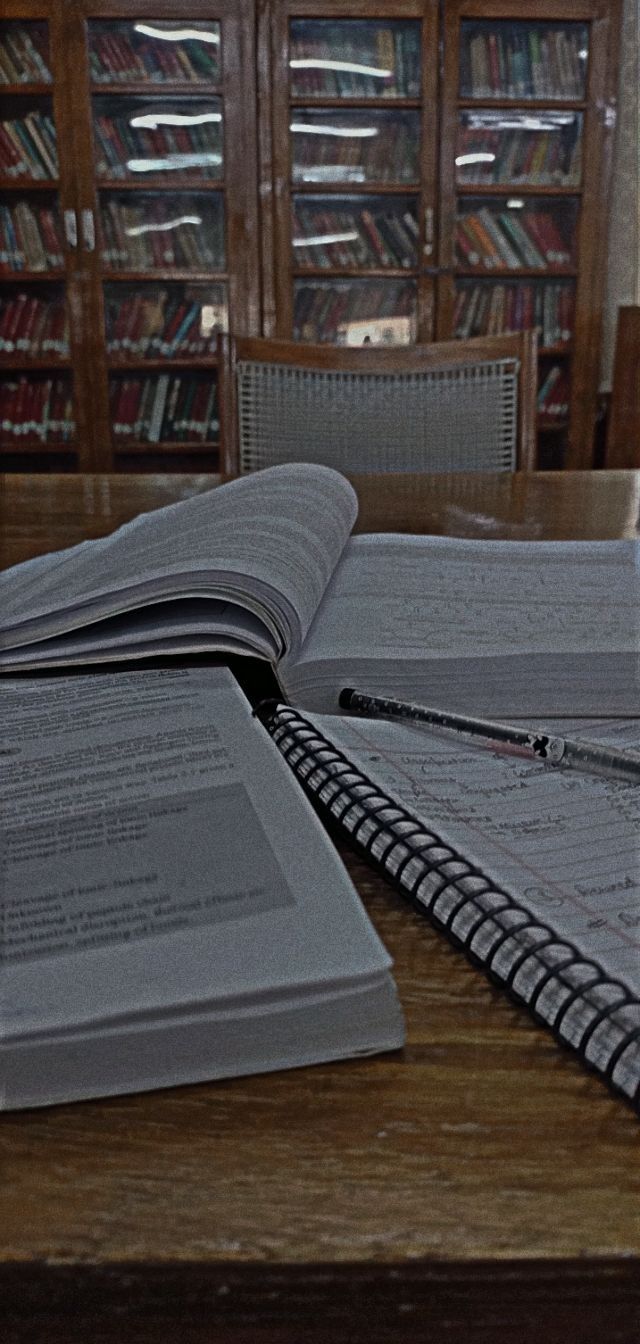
157	853
267	542
563	843
495	628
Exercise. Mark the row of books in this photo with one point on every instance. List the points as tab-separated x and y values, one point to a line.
553	394
164	323
122	151
39	408
544	158
24	56
164	408
123	55
328	238
174	231
29	238
487	310
34	326
388	154
511	239
28	147
523	61
326	61
322	312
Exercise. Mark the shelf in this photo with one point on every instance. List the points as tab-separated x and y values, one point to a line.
141	362
527	104
161	182
140	448
506	273
27	184
167	274
355	188
24	363
157	88
365	103
340	273
25	445
8	90
24	277
515	188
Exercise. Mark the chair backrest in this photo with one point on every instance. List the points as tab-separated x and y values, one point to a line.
623	429
449	406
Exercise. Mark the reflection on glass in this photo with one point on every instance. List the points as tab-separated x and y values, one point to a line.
164	321
28	144
516	233
354	58
357	313
346	233
156	232
135	137
541	148
37	409
522	60
34	323
29	236
24	52
164	408
485	309
157	50
354	146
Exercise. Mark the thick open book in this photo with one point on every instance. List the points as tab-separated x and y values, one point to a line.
534	872
266	565
172	909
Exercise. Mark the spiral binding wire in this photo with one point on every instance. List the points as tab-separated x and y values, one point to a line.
567	993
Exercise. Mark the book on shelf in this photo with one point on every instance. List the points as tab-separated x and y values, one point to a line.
122	55
162	322
29	238
266	566
33	326
388	154
162	232
553	393
538	158
36	408
519	60
354	59
24	54
125	150
323	310
510	238
149	939
361	236
489	308
159	407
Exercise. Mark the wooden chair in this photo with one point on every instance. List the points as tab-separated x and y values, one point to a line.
623	430
450	406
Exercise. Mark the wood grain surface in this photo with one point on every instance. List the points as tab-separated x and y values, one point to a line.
479	1185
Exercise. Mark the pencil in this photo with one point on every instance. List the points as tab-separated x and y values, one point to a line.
532	742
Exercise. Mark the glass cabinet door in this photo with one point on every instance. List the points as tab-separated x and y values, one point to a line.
37	413
356	222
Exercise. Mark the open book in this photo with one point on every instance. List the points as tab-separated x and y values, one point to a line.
533	872
172	909
266	565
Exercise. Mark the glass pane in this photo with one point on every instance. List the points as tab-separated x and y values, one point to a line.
354	58
531	234
24	52
347	233
36	409
28	146
136	51
164	322
354	146
356	313
30	238
34	323
553	392
156	232
523	60
134	137
164	408
484	308
540	148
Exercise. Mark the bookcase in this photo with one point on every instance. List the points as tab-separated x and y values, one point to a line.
129	228
325	170
441	171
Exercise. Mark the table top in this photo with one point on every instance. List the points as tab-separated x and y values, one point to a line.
478	1181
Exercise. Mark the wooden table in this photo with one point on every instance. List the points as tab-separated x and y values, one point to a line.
479	1186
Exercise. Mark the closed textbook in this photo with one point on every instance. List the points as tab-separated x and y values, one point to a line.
172	909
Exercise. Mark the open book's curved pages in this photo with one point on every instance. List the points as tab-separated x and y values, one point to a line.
532	873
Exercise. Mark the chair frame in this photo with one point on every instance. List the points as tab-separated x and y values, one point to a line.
520	346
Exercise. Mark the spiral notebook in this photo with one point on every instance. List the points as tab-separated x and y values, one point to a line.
533	873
